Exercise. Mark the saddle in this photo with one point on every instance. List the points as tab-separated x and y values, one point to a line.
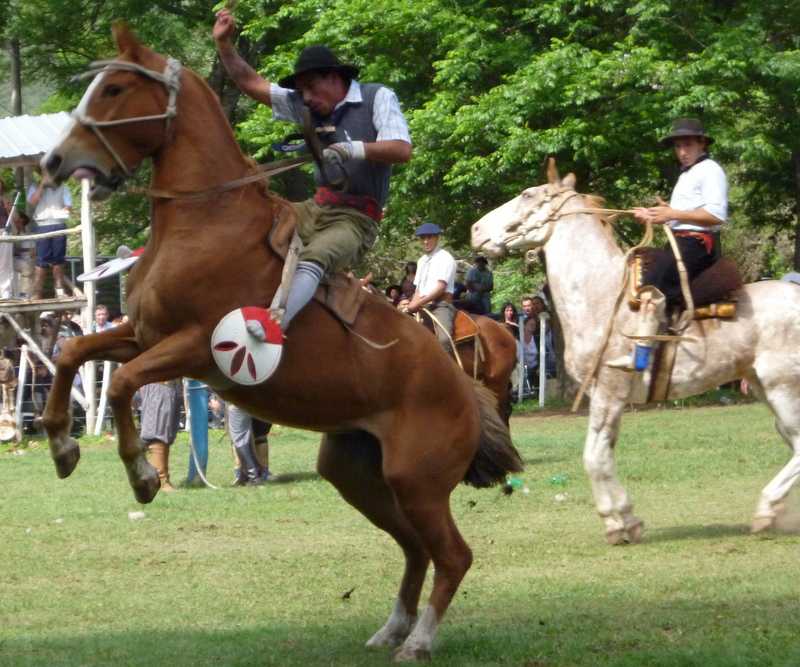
711	290
342	295
711	293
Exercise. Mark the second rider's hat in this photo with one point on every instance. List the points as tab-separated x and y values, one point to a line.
686	127
428	229
317	58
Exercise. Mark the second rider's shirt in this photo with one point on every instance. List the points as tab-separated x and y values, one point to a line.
703	185
434	267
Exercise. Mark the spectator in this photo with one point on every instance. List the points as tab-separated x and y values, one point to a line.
250	442
527	307
160	404
216	412
480	284
51	209
393	293
407	283
68	322
530	345
6	250
511	318
101	321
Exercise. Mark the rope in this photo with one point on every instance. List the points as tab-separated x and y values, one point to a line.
372	344
436	323
595	364
646	240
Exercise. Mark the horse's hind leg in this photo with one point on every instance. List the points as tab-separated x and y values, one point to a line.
116	345
785	404
422	480
352	463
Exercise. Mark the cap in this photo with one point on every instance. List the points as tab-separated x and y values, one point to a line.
428	229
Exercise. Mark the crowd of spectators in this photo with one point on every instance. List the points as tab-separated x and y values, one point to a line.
473	293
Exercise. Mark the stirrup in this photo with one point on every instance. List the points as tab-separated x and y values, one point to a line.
623	363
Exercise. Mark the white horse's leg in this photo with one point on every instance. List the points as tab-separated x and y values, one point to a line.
785	404
611	499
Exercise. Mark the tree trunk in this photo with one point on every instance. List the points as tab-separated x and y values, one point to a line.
16	96
796	165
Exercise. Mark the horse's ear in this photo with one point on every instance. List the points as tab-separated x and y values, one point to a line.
569	181
552	172
125	39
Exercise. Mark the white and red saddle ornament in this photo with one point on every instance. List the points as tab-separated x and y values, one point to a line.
238	354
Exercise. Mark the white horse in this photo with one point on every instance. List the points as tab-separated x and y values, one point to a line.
585	270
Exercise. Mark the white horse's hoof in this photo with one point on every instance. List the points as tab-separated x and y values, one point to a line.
383	639
615	537
634	531
405	654
761	524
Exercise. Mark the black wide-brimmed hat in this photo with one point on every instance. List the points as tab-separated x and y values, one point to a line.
686	127
318	58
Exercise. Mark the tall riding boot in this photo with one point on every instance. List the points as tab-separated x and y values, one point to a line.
651	314
38	282
261	446
159	458
248	465
58	279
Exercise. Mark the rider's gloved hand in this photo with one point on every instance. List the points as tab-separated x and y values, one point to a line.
344	151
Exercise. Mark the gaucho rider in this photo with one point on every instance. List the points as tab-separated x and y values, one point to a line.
371	134
435	284
696	212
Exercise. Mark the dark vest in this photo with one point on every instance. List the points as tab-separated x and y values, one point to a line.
353	122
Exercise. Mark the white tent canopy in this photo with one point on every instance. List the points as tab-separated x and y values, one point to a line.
25	139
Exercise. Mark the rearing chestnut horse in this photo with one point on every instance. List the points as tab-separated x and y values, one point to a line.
402	426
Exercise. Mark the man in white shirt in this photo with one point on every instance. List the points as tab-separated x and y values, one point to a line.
435	283
51	208
696	212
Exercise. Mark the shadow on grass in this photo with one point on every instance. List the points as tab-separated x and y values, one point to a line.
543	460
515	633
289	477
696	532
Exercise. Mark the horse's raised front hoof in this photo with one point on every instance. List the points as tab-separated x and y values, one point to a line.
67	459
405	654
762	524
147	487
634	531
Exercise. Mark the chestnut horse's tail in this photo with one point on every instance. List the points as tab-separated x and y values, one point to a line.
496	455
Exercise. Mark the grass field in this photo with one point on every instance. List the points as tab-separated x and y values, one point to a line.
257	576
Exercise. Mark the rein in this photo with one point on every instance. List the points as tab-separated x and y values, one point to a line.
646	240
170	79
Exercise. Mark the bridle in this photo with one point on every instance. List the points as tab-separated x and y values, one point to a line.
170	78
555	213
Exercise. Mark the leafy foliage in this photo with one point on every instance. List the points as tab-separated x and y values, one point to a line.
492	88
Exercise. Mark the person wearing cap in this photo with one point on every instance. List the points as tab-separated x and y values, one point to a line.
434	283
480	283
696	212
365	134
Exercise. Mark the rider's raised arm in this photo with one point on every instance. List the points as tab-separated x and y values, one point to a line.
250	82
